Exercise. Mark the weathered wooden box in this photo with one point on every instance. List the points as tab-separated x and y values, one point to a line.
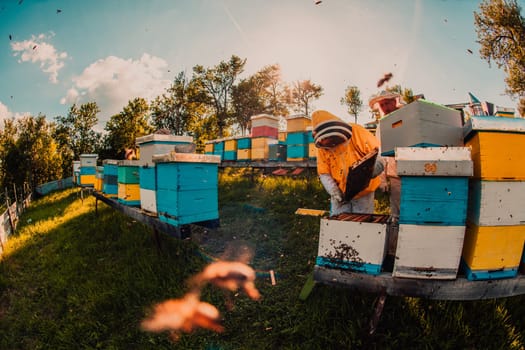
187	188
433	200
428	252
128	182
421	124
434	161
492	252
110	184
353	245
495	203
153	144
297	123
277	152
148	188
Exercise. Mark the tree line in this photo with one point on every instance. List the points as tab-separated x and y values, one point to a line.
215	102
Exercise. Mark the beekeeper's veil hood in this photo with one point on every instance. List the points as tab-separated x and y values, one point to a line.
329	130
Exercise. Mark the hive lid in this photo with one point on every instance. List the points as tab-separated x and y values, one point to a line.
127	162
186	157
493	123
264	116
163	137
110	161
434	161
89	155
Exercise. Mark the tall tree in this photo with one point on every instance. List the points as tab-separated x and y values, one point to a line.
175	109
75	134
301	94
125	127
501	33
246	101
352	100
217	82
273	90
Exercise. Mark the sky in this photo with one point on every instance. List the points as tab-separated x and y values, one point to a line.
54	53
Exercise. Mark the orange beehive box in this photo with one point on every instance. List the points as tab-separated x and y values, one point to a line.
297	123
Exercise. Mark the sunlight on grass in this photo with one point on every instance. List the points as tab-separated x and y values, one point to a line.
31	227
516	339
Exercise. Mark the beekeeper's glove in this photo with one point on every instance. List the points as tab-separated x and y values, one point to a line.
379	166
331	187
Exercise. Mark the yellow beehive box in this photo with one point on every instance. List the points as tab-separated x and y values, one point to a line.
230	144
312	151
282	136
260	153
498	155
244	154
297	123
262	142
88	180
208	147
129	193
491	252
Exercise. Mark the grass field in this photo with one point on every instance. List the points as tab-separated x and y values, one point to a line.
71	279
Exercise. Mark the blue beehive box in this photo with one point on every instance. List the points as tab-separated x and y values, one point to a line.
244	143
148	188
110	182
187	188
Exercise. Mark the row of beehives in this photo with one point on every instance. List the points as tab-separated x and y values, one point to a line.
461	209
267	143
179	188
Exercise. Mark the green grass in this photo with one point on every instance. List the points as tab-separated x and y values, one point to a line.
72	279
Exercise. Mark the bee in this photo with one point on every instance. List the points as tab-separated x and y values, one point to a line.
385	79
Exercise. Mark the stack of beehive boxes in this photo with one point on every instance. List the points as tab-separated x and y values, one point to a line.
496	217
218	148
187	188
244	149
149	146
128	182
298	138
433	210
88	169
230	149
110	184
265	131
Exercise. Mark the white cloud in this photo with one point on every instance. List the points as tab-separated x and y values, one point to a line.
112	82
5	114
37	50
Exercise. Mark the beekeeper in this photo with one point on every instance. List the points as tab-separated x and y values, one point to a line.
340	145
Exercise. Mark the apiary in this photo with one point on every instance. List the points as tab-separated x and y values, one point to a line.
110	183
428	251
355	242
128	182
420	124
148	188
297	123
492	252
187	188
153	144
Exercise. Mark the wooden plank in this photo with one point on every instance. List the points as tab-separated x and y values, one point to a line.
458	289
269	164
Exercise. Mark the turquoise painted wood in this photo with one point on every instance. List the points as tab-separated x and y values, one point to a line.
187	192
110	169
244	143
128	174
110	189
371	269
433	200
88	170
229	155
147	178
219	146
297	138
297	151
480	275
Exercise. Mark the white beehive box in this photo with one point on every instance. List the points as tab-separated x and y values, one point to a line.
264	120
155	144
496	203
358	246
421	124
428	252
88	160
434	161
